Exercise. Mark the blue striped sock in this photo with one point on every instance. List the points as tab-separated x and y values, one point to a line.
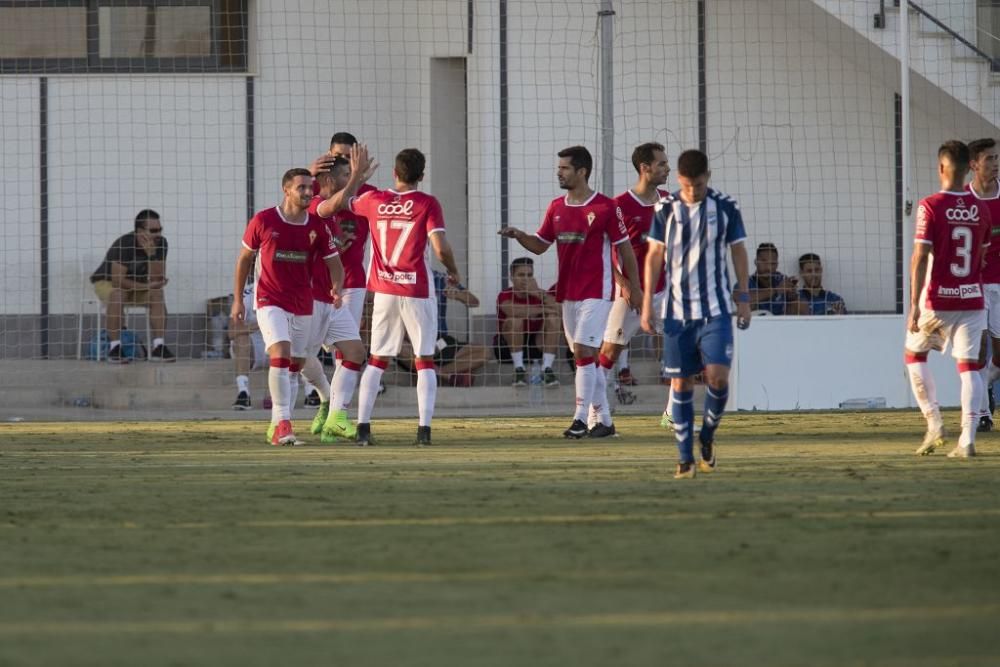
682	411
715	407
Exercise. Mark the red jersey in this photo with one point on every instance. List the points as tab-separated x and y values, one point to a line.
957	227
286	253
508	295
638	216
321	285
400	224
584	234
991	272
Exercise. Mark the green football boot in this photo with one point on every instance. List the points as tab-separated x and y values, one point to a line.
338	426
320	419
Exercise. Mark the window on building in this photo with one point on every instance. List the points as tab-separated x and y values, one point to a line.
988	27
65	36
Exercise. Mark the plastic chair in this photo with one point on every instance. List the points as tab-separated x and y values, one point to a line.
90	302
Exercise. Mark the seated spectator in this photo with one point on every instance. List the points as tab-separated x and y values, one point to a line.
246	346
813	299
529	323
456	361
134	272
770	290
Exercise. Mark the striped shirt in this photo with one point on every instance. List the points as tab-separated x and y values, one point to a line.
696	237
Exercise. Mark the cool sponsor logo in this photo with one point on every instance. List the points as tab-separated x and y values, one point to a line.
970	214
398	277
396	208
296	256
968	291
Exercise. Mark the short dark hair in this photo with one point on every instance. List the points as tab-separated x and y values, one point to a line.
809	257
645	154
522	261
579	158
337	164
410	164
343	138
767	246
957	153
144	215
980	146
292	173
692	163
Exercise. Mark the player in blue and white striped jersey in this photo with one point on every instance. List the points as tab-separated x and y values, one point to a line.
688	239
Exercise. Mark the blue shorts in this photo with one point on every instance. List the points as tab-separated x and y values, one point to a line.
689	346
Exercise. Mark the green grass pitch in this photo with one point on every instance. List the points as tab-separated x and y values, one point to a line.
820	540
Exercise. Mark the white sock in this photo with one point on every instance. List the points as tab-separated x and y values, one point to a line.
602	377
585	378
924	390
368	391
243	383
623	358
277	382
427	384
157	342
972	390
670	401
344	381
313	372
517	358
293	389
549	358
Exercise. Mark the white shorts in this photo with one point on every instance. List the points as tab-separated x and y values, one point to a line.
392	314
624	323
962	329
354	302
277	324
330	325
584	321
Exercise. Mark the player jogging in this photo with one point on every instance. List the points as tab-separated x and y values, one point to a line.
946	296
986	188
637	206
584	225
287	239
403	221
688	241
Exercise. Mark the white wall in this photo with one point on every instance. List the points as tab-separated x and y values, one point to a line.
123	144
792	363
21	216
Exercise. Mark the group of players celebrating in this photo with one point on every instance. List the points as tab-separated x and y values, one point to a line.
955	289
310	286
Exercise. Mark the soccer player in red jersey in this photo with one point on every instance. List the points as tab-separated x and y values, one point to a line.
946	296
638	206
403	222
286	240
983	161
336	327
584	225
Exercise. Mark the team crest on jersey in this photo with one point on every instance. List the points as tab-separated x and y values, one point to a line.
312	237
591	217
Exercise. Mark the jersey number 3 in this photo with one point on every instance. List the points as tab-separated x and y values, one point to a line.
963	252
404	227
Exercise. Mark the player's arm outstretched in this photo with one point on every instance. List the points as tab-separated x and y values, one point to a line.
529	242
918	274
741	265
632	291
244	262
651	274
442	250
362	168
